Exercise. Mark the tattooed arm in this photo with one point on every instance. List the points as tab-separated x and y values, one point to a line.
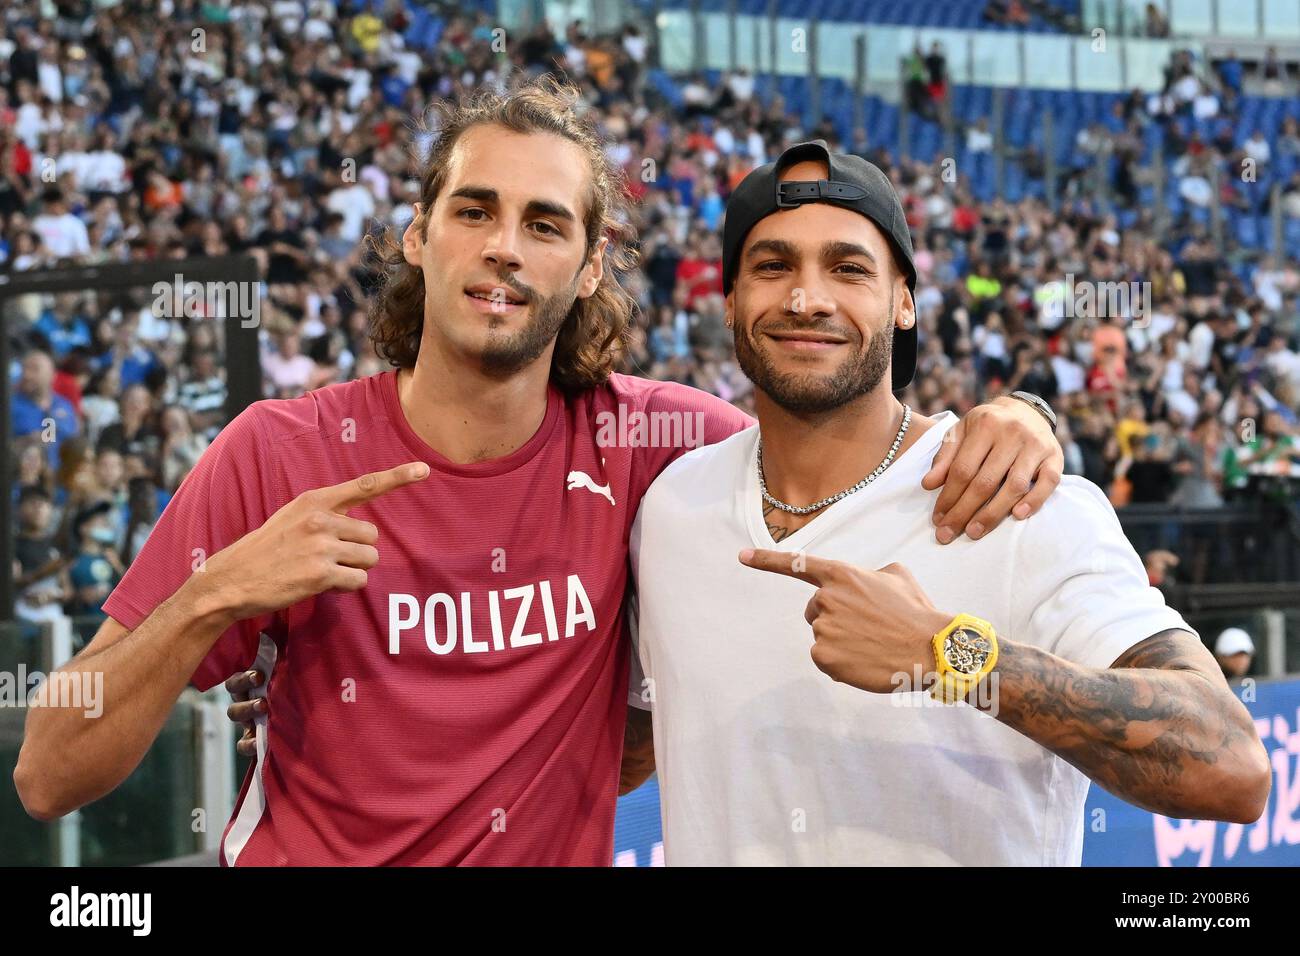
1159	728
638	751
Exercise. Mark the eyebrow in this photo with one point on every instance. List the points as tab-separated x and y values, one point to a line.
838	249
536	207
834	249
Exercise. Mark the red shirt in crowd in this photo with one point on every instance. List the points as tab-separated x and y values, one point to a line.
701	276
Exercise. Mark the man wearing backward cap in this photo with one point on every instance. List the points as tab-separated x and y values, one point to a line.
975	689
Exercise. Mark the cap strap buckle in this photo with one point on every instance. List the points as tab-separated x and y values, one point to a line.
795	192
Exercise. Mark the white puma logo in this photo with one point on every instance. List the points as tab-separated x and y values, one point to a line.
580	479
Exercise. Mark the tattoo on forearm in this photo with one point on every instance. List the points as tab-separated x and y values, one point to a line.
1164	651
1144	729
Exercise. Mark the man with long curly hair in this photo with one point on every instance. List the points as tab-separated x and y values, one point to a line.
444	635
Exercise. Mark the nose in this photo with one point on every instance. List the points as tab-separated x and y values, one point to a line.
810	298
501	251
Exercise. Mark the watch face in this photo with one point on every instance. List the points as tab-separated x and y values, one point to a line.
966	650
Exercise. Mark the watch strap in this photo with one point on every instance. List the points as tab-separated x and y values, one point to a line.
1039	405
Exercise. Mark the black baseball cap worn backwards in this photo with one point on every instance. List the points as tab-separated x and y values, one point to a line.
853	183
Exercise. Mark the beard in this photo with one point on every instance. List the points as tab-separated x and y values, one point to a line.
505	354
807	393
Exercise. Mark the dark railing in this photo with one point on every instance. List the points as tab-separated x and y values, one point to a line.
1254	542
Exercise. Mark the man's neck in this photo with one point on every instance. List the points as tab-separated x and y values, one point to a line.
809	457
467	416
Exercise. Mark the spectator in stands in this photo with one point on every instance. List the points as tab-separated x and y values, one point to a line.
136	362
978	137
32	467
64	325
700	271
1235	651
936	69
143	511
1132	429
40	579
915	86
1157	25
181	447
135	432
1197	462
99	406
37	410
288	372
1150	471
204	395
995	11
61	233
110	485
1229	70
1273	72
1160	565
96	566
1258	149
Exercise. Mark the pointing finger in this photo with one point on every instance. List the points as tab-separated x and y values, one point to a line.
351	494
805	567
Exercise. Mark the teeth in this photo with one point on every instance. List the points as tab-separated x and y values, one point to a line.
488	298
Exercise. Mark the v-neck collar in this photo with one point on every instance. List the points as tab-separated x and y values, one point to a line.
751	498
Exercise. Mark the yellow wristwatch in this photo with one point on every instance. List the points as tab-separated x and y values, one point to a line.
964	651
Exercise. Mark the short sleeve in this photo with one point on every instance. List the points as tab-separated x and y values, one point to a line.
231	491
679	419
1082	592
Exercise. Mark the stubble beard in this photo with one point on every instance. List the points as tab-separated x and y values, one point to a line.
806	393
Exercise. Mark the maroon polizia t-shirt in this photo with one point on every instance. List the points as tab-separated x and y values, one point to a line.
467	706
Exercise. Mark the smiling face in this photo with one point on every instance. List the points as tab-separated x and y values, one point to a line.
816	297
504	250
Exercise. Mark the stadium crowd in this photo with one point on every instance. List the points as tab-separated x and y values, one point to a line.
284	130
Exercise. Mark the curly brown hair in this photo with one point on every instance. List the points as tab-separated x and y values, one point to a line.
592	340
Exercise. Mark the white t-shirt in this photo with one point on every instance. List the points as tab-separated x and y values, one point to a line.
1070	376
104	171
64	235
1202	341
356	204
763	759
1286	365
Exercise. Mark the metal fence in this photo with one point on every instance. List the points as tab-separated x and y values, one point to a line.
176	802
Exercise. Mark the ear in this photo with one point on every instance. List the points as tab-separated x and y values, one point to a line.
729	312
413	237
593	271
905	315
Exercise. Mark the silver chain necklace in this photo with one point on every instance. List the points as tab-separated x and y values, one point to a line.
818	505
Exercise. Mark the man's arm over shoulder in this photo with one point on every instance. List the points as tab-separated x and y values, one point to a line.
664	420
